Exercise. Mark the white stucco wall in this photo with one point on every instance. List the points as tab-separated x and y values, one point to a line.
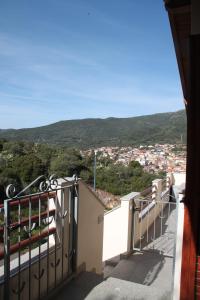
117	228
179	178
90	231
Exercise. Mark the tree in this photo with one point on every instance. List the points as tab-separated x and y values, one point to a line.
14	148
28	167
67	163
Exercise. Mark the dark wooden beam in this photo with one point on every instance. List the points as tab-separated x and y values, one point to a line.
192	197
180	22
176	3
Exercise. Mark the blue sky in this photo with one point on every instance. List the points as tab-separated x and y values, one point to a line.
71	59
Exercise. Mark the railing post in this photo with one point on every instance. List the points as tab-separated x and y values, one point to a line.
135	222
156	189
168	182
157	197
73	224
170	179
6	250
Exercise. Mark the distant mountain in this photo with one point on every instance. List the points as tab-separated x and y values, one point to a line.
151	129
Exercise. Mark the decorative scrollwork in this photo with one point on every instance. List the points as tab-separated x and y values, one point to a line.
53	182
27	230
65	214
19	291
69	255
42	183
47	223
38	277
50	183
44	186
56	264
62	216
10	191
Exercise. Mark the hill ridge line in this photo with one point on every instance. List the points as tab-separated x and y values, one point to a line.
93	132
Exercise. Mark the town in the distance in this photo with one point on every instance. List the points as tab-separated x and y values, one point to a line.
153	158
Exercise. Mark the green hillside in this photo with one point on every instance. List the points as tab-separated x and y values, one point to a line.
151	129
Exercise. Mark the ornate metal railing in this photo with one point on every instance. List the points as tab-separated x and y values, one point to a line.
154	225
39	234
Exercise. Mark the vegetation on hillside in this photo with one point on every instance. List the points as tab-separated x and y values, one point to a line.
88	133
21	163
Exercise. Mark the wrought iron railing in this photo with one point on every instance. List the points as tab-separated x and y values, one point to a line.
154	225
39	233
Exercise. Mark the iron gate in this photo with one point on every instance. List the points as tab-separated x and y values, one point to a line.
39	233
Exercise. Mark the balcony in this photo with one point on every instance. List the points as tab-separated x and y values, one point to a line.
59	242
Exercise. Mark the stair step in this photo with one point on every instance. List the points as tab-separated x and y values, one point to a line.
107	271
113	262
